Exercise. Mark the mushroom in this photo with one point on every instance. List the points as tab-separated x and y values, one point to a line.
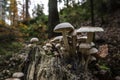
92	44
64	28
12	79
93	51
90	30
29	46
45	48
81	37
18	74
84	47
90	51
34	40
58	45
48	47
57	39
62	49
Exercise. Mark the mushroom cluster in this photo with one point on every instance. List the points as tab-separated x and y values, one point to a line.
73	41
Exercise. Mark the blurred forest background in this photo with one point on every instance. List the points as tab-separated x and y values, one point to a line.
17	26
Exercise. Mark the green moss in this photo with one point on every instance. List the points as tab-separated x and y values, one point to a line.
104	67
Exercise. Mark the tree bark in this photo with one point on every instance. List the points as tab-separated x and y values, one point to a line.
27	16
92	13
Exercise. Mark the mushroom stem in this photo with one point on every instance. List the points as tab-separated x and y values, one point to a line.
90	37
82	57
65	40
86	63
74	41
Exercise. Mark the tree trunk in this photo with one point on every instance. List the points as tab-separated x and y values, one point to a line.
53	18
92	13
27	16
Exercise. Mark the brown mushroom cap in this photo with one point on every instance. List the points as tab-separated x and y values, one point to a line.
63	26
89	29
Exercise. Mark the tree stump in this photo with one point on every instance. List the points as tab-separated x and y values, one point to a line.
44	66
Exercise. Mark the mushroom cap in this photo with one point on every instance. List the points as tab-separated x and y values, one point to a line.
93	50
48	45
18	74
12	79
57	38
34	40
29	45
58	45
93	58
85	45
45	48
62	48
81	37
63	26
89	29
92	44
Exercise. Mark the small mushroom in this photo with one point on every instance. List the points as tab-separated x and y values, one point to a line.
62	49
90	30
45	48
48	45
90	51
64	28
34	40
58	45
84	47
81	37
117	78
92	44
48	48
29	46
57	39
12	79
18	74
93	51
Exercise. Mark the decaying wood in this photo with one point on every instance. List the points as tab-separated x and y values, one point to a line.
43	66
